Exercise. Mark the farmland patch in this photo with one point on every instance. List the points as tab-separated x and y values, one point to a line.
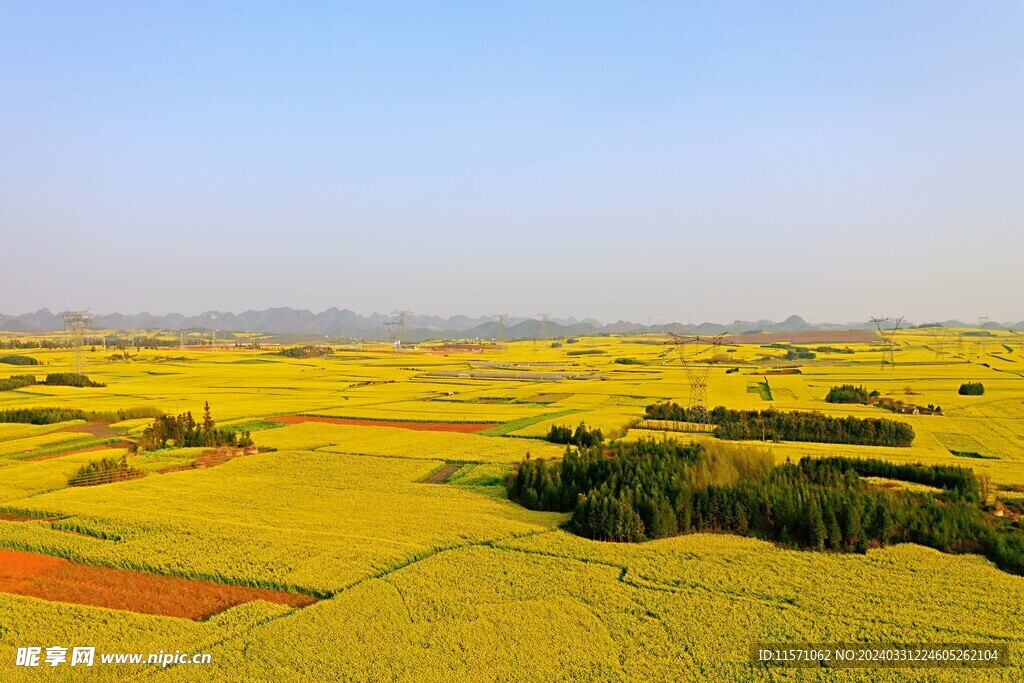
460	427
59	580
962	444
442	475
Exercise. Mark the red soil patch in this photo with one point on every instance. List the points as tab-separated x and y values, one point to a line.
211	458
461	427
14	517
97	429
442	475
60	580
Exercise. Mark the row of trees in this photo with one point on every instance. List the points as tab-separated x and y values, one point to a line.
647	489
971	389
55	379
582	436
776	425
46	416
15	343
185	432
42	416
70	379
18	360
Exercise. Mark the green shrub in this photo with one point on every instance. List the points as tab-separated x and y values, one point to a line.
17	382
847	393
70	379
971	389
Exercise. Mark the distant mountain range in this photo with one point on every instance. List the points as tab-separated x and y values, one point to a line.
344	323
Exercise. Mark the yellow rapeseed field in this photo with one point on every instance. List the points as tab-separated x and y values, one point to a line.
453	582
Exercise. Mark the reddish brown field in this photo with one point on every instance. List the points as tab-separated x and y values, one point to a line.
211	458
60	580
14	517
461	427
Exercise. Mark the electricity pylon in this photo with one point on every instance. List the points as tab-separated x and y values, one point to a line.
400	330
501	318
939	337
698	370
887	335
75	325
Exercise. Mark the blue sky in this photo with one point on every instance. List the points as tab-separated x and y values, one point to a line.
710	161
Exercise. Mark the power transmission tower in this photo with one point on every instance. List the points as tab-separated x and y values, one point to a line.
960	344
887	335
979	346
544	318
938	343
75	325
698	370
501	318
391	327
181	345
400	333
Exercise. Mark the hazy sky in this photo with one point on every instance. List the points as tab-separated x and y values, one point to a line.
710	161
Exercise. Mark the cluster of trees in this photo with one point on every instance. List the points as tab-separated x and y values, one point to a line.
971	389
582	436
104	471
832	349
645	490
19	360
185	432
308	351
776	425
543	485
799	353
848	393
56	379
17	382
31	344
70	379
